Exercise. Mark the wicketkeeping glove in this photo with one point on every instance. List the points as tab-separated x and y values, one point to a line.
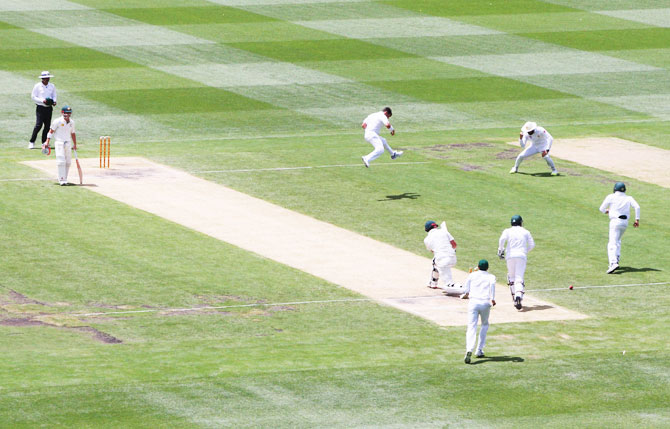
501	254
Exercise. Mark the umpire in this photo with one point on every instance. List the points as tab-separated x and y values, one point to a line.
44	96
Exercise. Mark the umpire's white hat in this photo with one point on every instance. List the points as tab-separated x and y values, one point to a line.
528	126
45	75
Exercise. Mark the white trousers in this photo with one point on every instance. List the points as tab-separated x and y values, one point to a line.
379	143
516	268
477	309
617	228
63	160
443	265
530	151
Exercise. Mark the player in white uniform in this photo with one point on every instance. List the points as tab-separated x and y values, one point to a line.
372	125
534	140
480	287
62	130
442	244
618	205
519	243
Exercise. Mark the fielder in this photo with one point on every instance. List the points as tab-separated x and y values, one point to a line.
442	244
519	243
62	130
540	142
480	287
372	125
44	96
617	205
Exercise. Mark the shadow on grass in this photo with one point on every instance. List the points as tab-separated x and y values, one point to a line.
623	270
543	174
486	359
405	196
537	307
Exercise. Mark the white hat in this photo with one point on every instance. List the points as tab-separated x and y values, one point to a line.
528	127
45	75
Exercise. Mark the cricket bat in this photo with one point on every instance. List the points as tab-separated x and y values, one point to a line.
81	175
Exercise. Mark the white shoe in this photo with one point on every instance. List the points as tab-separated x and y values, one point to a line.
367	164
612	268
513	170
554	173
396	154
31	145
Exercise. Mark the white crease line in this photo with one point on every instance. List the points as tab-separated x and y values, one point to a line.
331	301
276	304
21	180
598	287
304	168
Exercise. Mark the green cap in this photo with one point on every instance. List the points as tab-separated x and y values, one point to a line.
430	224
483	265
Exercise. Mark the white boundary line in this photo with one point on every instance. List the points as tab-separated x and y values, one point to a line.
599	287
242	170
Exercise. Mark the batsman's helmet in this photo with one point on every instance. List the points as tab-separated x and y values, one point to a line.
483	265
620	186
516	220
430	225
66	109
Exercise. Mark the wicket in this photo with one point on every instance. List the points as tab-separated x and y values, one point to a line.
105	149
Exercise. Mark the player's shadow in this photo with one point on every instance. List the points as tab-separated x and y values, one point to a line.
623	270
486	359
405	196
536	307
543	174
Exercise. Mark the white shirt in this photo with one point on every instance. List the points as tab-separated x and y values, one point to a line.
41	93
375	121
439	241
62	130
519	242
541	139
619	204
481	286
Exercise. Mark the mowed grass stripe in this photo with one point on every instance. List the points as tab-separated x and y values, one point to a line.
555	63
318	10
38	5
475	7
189	15
605	40
655	17
536	21
365	28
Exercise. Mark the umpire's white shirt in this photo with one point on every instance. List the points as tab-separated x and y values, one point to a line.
481	287
540	140
439	241
41	93
519	242
375	121
619	204
62	129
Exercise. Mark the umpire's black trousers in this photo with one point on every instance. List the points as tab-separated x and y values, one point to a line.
43	117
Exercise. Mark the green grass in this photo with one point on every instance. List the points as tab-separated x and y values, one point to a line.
68	254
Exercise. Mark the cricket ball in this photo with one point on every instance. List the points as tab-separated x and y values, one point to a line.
570	287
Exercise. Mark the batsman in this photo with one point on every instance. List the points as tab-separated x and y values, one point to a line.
442	244
62	131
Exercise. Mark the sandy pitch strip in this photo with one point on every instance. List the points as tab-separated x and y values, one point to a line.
619	156
374	269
